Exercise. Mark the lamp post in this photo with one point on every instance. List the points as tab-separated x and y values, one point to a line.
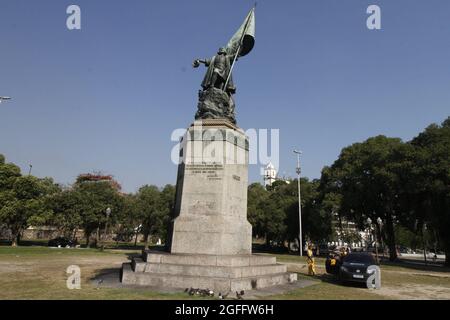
369	222
4	99
369	235
108	213
299	171
380	225
424	228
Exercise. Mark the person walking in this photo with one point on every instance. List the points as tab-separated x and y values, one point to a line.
311	262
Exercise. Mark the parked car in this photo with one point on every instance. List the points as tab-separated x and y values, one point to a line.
62	242
354	267
405	250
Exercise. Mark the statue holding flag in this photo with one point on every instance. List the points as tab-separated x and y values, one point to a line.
216	98
219	67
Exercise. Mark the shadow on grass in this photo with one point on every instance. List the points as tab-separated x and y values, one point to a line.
333	280
25	243
111	278
108	245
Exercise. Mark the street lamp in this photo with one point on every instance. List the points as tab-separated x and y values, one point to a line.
4	99
369	222
299	171
108	213
380	224
424	228
369	236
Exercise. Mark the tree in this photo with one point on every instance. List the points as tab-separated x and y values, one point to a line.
256	211
67	210
273	213
155	207
316	219
25	204
432	180
167	207
8	174
128	219
369	176
94	198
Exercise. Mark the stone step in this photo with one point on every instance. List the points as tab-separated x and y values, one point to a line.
138	265
209	260
203	282
214	271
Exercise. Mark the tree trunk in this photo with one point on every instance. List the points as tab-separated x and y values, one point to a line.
97	237
15	238
146	235
88	236
391	238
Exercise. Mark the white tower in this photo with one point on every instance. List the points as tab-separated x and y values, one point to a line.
270	175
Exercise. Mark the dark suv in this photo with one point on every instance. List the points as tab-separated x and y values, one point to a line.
62	242
354	267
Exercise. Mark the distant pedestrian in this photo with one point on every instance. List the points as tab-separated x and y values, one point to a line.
311	261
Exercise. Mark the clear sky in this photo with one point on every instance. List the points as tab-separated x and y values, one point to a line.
108	97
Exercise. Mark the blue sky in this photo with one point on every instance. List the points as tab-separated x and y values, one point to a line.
108	97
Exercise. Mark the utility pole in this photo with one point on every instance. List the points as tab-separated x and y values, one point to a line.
424	228
299	171
380	225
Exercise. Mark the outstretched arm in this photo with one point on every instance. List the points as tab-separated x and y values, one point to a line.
197	63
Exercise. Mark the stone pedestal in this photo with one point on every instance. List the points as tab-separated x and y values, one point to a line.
210	240
211	204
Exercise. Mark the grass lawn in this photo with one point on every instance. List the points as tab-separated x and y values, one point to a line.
40	273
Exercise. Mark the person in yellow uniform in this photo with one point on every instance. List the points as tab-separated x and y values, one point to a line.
311	262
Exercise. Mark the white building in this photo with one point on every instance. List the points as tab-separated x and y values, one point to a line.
270	175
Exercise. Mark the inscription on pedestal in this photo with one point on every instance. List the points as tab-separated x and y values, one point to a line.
210	170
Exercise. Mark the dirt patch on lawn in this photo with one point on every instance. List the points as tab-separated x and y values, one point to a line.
414	292
8	267
18	265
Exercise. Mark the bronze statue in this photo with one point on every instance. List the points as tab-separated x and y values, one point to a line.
219	67
216	98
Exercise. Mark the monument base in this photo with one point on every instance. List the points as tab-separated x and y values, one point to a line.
215	272
210	238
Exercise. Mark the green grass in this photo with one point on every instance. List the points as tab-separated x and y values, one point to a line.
40	273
